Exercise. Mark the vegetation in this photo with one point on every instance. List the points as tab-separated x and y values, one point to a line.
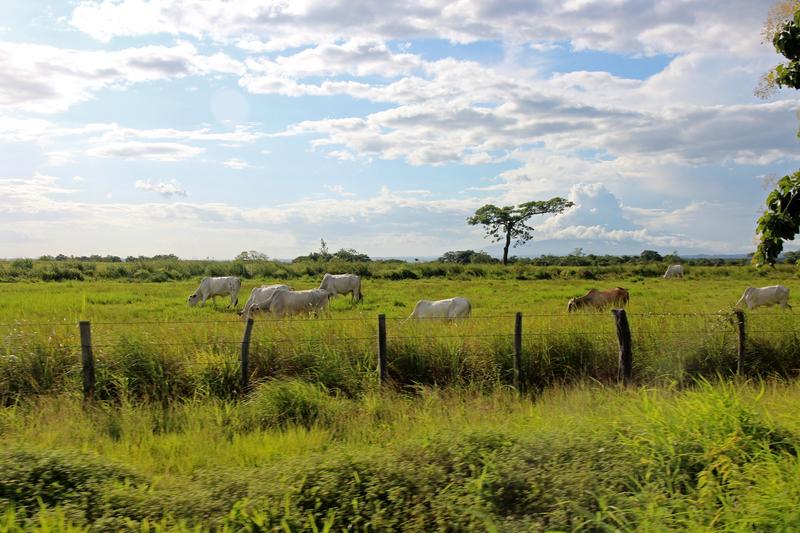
509	223
781	220
586	459
151	346
172	443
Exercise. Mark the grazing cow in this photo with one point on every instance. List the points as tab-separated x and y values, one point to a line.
773	295
342	284
599	299
448	309
213	287
674	271
260	295
287	303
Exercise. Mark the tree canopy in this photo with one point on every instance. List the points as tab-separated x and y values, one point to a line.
464	257
509	223
781	219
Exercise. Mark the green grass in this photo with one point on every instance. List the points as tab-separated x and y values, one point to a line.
150	345
717	457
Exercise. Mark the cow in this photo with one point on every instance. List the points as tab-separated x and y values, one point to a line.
213	287
599	299
261	295
674	271
448	309
288	303
342	284
773	295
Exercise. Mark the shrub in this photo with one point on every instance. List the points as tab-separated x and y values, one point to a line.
404	273
291	402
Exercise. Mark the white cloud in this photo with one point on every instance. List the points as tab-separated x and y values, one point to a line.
165	189
48	79
149	151
627	26
237	164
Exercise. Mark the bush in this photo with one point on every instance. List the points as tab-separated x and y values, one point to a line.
403	273
291	402
74	481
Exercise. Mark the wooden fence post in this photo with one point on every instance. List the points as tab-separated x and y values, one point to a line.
739	315
518	377
382	370
248	329
625	348
87	357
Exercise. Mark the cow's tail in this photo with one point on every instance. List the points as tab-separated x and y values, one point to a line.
359	295
469	309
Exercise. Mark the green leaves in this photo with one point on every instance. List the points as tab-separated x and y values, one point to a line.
509	222
780	221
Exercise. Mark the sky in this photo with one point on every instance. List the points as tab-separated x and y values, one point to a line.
205	128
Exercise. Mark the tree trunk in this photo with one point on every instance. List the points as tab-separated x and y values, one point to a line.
505	248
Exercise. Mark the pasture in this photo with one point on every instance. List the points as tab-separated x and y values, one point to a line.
144	332
173	444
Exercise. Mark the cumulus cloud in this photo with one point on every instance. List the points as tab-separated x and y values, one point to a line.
48	79
165	189
598	218
627	26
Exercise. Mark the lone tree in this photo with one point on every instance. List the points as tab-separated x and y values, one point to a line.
510	222
781	220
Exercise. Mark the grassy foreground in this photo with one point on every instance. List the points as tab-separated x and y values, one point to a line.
293	458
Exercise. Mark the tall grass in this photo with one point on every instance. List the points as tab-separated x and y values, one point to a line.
590	458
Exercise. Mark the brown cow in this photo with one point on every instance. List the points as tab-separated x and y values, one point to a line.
599	299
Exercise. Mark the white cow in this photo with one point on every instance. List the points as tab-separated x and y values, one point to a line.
448	309
288	303
260	295
213	287
773	295
674	271
342	284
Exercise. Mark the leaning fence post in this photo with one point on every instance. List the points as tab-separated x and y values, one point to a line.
518	378
382	370
625	348
739	314
88	359
248	328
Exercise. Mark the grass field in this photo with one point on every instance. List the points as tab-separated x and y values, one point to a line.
148	342
317	445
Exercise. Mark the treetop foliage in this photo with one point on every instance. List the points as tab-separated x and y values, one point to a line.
781	220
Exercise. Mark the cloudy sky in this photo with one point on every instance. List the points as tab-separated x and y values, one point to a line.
204	128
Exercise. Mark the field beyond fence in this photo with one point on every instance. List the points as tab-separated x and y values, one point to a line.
168	360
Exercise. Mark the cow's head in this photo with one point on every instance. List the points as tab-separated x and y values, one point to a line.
192	300
572	305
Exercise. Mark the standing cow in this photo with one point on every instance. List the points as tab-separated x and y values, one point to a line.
261	295
773	295
674	271
288	303
448	309
213	287
342	284
599	299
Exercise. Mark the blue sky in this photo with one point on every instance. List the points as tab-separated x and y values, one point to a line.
205	128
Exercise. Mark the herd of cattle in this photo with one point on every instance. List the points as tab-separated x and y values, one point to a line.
282	300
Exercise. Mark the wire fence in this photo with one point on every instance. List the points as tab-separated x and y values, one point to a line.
519	344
